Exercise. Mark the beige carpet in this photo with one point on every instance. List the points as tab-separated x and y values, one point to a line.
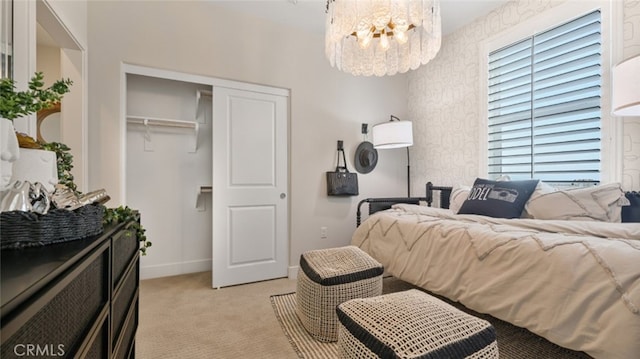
183	317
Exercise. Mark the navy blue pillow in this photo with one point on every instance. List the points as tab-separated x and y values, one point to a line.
499	199
631	213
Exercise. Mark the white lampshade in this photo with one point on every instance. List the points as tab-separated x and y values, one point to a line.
393	134
626	88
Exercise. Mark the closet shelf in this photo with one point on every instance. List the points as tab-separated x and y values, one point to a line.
199	202
199	95
164	122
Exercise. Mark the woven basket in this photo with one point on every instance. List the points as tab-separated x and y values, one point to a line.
412	324
328	277
20	229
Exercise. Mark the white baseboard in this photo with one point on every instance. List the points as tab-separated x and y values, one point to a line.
171	269
293	272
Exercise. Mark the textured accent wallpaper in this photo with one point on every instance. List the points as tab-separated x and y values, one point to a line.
444	99
631	130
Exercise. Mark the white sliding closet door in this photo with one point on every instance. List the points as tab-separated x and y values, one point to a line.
250	182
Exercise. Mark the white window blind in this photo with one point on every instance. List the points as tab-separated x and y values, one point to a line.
544	105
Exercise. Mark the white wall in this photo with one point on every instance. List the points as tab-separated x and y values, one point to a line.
444	96
48	62
206	39
66	22
73	14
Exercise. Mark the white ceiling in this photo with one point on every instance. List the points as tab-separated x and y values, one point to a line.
310	14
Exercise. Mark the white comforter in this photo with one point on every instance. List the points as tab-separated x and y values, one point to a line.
575	283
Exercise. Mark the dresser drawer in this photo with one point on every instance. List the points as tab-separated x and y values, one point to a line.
123	299
56	323
126	341
99	345
125	246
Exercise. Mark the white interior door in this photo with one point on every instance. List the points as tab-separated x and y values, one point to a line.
250	211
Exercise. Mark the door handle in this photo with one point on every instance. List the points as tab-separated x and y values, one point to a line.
283	196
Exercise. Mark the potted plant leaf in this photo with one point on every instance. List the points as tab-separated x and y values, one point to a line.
15	104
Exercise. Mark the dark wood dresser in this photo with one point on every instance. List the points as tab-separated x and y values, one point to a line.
72	300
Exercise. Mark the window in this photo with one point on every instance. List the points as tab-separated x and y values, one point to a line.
544	105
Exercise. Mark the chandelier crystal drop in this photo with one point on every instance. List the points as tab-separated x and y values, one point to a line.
382	37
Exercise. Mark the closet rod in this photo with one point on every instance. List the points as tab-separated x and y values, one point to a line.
161	122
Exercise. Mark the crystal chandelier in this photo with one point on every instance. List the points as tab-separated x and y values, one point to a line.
382	37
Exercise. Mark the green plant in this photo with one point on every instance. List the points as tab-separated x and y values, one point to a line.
123	214
15	104
64	163
111	215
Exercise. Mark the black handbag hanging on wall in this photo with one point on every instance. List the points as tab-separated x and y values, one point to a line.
342	182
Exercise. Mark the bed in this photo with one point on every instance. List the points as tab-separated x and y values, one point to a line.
573	282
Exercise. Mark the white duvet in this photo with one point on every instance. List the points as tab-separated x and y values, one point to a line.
575	283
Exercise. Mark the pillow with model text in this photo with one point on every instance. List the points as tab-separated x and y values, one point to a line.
499	199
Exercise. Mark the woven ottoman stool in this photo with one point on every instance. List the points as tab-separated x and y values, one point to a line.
328	277
412	324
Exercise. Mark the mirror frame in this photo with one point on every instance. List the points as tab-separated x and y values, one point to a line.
43	114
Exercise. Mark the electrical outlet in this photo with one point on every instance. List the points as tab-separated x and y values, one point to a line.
323	232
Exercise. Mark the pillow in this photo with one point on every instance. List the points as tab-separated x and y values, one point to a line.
458	195
598	203
504	199
631	213
541	189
